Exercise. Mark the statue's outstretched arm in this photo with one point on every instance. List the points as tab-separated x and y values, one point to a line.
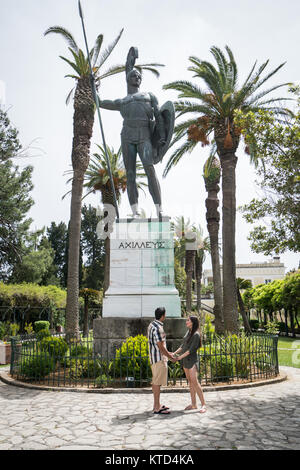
113	105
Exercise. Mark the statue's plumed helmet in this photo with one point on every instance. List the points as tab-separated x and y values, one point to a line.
133	71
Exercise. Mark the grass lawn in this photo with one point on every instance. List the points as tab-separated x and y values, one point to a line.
286	357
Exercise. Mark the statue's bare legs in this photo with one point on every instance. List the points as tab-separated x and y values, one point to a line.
130	151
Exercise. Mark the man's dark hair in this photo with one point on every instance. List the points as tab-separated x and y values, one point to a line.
159	312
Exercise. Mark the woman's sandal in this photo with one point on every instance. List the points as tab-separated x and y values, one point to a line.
190	407
202	409
162	411
163	407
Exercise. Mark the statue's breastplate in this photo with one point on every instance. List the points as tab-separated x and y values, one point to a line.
137	108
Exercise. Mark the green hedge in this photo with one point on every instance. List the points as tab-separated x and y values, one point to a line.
31	294
41	325
54	346
132	359
38	366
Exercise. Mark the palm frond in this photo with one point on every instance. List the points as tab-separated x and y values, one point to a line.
65	34
74	66
69	96
186	147
69	192
208	164
210	75
256	98
72	76
251	86
249	76
183	107
233	66
76	58
268	76
112	71
150	68
96	49
106	53
185	88
83	63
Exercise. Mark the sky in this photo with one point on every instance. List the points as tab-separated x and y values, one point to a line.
33	88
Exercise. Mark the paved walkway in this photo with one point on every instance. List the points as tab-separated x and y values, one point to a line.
266	417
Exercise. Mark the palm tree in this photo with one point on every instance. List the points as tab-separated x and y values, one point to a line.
83	120
202	246
179	245
214	113
243	284
87	295
97	179
211	175
185	252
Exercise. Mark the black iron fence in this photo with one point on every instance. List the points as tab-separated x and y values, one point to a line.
55	362
23	315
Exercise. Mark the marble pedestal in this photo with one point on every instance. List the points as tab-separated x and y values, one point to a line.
110	333
141	270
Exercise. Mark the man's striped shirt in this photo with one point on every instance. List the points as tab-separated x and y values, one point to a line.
156	333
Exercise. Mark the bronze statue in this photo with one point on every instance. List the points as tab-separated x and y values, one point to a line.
147	131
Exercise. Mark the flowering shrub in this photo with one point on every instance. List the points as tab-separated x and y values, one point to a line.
132	359
54	346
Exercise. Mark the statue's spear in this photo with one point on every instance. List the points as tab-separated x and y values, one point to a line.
98	110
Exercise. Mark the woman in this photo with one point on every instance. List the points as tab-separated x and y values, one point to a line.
188	350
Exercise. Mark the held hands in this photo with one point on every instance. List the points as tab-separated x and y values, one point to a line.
174	358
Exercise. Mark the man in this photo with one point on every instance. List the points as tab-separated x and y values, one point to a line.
158	358
140	112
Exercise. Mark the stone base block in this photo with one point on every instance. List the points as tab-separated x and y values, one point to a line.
110	333
137	306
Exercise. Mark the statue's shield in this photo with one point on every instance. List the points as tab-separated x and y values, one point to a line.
168	114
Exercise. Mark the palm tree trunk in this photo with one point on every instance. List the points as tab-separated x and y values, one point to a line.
82	132
296	318
199	269
228	162
189	292
213	230
213	219
226	151
243	312
86	317
107	199
72	308
189	266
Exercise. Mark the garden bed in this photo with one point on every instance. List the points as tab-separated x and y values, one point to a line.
51	361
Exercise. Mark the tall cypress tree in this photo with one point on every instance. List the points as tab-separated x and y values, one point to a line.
93	249
57	236
15	200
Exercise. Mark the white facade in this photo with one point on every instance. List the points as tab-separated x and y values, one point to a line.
257	273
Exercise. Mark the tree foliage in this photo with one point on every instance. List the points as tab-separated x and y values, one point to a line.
277	146
15	201
93	249
9	140
278	294
214	106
